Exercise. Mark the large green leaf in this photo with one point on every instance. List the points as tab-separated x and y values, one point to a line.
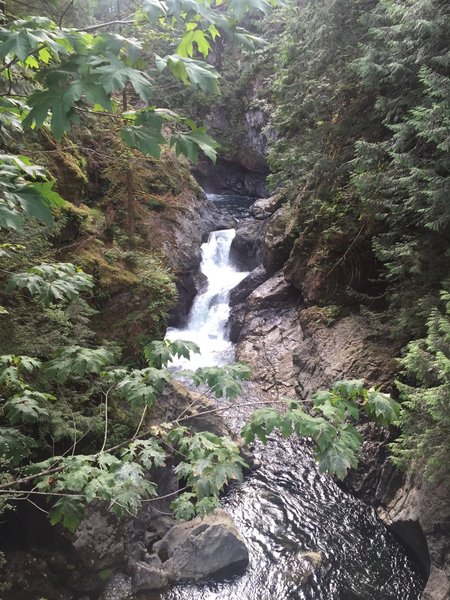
192	71
223	381
59	101
14	446
23	198
37	200
155	9
114	74
337	460
382	407
69	511
191	142
26	407
146	139
160	353
26	36
197	37
51	283
75	361
239	8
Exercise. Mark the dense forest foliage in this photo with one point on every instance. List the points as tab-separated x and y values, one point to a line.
78	386
361	106
358	96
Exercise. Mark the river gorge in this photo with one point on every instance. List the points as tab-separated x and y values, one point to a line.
308	539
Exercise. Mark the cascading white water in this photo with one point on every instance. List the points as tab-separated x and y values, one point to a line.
286	509
207	323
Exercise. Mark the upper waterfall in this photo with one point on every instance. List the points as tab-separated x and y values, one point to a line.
208	318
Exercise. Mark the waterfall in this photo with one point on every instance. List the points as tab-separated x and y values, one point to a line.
207	322
287	510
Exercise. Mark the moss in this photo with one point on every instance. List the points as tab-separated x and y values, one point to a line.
110	273
66	165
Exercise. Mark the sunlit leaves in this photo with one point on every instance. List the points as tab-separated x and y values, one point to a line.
160	353
332	428
197	37
223	381
52	283
27	36
191	71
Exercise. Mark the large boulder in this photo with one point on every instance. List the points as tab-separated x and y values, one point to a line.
201	548
238	296
246	248
248	285
149	575
265	207
273	292
269	332
100	540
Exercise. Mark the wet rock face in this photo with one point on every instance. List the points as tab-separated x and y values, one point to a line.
277	244
419	514
232	177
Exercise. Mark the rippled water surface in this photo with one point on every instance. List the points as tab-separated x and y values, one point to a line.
287	508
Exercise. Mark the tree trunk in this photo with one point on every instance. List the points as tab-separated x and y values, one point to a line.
130	208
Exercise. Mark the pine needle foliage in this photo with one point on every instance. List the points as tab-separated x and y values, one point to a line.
425	393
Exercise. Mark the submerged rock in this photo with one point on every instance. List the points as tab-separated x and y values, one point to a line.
303	566
149	575
119	588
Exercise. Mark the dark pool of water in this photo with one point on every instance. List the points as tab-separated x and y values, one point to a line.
287	508
237	206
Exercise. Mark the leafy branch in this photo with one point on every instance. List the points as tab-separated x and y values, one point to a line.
332	426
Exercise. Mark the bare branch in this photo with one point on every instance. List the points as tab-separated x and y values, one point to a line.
109	24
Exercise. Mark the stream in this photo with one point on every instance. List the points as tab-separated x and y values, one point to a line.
287	508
